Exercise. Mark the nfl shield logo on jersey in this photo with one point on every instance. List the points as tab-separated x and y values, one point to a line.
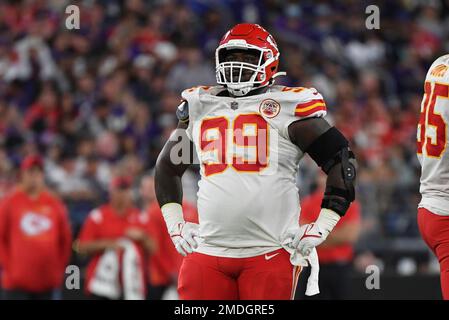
270	108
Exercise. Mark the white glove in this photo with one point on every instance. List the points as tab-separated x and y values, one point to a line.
184	237
183	234
313	234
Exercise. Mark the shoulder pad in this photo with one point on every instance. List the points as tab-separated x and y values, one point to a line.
309	102
438	71
303	102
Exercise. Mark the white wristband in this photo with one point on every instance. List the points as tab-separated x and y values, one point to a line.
173	216
327	220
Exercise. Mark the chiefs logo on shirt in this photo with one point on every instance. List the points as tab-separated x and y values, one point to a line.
270	108
33	224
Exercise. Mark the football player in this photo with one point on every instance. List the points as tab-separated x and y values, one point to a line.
432	141
250	135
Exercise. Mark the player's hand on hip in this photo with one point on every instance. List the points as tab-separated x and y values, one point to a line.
313	234
309	237
306	238
185	237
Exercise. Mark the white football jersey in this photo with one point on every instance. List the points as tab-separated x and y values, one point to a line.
247	195
432	138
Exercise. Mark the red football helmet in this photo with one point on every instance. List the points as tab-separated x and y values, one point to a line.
247	36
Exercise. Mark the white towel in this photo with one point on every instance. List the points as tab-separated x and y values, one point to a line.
132	272
297	259
312	261
105	281
113	267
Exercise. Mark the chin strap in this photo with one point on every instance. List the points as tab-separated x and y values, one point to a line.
278	74
241	92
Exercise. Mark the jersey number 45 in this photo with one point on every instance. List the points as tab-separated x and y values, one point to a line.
432	135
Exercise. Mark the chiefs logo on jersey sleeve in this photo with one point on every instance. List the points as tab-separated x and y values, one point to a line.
285	105
269	108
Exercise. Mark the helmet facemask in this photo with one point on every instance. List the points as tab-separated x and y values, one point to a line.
241	77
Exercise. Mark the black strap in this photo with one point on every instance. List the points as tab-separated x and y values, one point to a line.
336	204
182	112
348	172
342	156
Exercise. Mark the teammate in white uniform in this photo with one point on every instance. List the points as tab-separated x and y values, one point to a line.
249	136
432	142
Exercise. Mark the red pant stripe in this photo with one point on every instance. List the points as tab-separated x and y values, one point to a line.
296	272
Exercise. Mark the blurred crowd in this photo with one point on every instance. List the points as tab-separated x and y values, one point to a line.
101	100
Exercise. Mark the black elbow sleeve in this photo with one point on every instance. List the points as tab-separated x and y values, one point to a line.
329	150
340	189
324	148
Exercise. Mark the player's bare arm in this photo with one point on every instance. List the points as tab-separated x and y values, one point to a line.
330	150
168	174
169	187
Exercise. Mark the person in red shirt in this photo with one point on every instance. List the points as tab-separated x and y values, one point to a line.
35	237
336	253
164	264
110	223
44	115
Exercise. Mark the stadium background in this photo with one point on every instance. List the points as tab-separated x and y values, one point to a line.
101	99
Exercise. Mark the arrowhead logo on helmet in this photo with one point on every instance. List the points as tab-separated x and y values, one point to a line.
249	37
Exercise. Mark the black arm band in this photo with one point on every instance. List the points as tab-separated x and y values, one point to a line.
329	150
325	147
339	199
336	199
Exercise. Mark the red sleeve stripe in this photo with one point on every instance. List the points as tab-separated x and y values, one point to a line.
308	112
310	107
309	103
